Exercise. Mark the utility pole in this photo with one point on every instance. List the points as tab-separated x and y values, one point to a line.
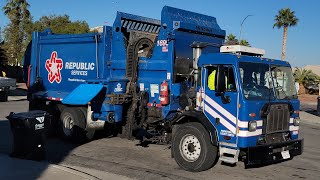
318	102
0	35
241	27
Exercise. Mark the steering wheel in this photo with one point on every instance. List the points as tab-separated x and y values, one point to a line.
250	88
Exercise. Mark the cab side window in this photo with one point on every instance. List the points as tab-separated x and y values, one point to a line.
212	77
229	76
230	80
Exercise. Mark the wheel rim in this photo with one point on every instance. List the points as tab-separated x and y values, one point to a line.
67	125
190	147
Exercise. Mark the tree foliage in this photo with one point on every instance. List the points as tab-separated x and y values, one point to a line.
3	58
244	42
61	25
285	19
231	39
304	77
16	34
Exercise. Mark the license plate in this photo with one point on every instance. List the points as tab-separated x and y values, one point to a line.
285	154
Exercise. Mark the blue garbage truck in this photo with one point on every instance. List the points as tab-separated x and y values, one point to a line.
175	81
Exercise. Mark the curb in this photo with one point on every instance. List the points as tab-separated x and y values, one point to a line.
309	118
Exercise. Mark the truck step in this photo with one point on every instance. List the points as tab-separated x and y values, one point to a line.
229	155
230	160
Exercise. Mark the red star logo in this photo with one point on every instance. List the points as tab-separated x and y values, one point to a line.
53	66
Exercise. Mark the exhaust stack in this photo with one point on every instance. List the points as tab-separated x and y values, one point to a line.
197	50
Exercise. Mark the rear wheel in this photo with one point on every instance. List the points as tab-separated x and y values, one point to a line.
192	148
72	120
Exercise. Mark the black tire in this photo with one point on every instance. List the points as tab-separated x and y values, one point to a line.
71	119
3	96
192	148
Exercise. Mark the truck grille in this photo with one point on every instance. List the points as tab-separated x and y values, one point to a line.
278	118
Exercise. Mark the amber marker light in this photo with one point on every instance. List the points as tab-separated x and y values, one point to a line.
252	115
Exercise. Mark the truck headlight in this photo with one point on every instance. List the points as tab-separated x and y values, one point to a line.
252	126
296	121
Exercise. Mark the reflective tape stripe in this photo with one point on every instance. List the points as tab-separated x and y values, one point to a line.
222	120
232	118
293	128
244	124
219	108
54	99
228	115
291	120
248	133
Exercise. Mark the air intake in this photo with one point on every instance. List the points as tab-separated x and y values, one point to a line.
140	26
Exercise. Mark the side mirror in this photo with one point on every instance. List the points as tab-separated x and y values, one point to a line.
221	85
220	80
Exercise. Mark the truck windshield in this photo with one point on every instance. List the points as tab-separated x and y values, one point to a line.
261	82
283	82
256	81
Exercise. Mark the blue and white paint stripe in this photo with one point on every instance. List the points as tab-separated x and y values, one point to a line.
229	120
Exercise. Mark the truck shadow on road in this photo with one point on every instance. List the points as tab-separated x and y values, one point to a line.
56	151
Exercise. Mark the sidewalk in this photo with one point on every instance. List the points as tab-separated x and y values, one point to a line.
12	168
309	118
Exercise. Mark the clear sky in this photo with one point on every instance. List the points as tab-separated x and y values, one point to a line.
303	40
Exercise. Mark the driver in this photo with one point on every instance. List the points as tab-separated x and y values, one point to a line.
211	80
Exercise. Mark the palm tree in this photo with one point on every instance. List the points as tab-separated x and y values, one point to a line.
244	42
304	77
285	18
17	11
16	32
231	40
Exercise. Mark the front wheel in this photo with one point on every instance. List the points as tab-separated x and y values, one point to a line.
192	148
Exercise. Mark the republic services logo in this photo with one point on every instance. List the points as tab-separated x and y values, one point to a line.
54	66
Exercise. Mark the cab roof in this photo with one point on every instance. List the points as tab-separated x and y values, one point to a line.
225	58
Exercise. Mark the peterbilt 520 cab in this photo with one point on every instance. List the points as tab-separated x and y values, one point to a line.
168	82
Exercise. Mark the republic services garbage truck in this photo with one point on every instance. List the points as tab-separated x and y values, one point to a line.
149	78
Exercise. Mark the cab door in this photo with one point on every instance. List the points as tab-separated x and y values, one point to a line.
221	107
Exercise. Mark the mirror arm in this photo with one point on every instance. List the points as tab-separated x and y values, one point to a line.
225	99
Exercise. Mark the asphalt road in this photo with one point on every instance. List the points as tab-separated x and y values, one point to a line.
128	158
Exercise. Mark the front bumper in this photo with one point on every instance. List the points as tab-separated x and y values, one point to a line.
264	154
